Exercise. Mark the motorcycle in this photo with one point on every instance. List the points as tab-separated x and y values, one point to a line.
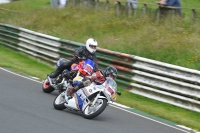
91	100
66	78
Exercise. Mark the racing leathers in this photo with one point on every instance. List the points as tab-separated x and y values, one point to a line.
97	77
79	54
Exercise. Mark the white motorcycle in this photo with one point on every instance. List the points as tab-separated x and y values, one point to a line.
91	100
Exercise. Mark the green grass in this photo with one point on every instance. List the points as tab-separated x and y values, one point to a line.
175	42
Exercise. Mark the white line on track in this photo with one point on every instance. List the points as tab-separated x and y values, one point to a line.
21	75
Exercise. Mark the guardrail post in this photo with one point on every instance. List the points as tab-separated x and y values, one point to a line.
118	8
74	3
172	14
130	10
193	15
144	9
97	6
107	6
158	15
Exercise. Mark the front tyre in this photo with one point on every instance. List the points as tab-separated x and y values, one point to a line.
46	87
59	101
93	111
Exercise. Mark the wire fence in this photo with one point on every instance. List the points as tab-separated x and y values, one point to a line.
126	9
143	9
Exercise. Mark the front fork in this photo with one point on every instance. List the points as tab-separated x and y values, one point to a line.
93	102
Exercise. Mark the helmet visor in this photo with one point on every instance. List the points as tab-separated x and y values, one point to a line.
112	75
92	46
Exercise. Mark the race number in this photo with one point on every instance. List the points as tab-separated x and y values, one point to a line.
89	69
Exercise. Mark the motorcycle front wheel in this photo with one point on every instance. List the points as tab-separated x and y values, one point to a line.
59	101
46	87
95	110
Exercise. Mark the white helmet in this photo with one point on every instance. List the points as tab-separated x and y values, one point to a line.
91	45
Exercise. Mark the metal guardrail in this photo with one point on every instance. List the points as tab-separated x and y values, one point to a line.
153	79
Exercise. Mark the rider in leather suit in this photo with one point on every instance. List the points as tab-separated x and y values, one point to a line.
83	52
98	77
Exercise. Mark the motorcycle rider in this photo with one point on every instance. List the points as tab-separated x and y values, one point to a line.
83	52
97	77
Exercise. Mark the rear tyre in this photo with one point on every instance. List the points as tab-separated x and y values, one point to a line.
46	87
97	109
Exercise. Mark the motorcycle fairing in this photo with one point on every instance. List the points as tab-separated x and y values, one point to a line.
82	95
88	67
73	103
85	67
80	98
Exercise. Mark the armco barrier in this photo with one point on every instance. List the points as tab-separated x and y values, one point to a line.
153	79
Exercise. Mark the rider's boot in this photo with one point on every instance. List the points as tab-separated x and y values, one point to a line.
70	93
53	76
59	70
59	79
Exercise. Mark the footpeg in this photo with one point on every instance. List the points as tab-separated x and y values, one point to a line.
66	104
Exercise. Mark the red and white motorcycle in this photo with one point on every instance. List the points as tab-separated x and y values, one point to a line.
65	79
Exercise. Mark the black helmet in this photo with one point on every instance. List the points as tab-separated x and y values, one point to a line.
111	71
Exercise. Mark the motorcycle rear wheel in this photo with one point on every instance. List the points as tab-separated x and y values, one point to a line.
92	112
59	101
46	87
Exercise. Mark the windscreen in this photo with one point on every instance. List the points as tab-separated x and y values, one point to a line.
110	85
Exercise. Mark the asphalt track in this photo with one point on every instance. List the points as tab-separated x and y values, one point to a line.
25	108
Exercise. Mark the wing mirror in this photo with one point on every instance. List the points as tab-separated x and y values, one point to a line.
119	93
